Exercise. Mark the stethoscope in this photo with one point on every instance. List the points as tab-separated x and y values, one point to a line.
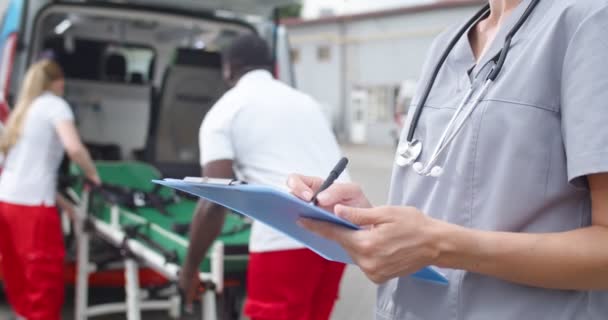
409	150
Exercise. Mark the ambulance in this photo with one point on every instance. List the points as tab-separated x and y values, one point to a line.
140	74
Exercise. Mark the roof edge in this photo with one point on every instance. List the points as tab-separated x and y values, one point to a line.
447	4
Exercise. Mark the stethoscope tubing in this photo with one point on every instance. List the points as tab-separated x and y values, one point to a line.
427	91
440	148
449	127
451	131
493	75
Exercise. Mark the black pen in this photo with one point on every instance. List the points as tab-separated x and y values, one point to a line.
333	175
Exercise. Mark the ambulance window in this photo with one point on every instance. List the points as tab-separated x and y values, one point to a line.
138	60
99	60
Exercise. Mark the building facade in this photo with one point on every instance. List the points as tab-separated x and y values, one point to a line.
361	66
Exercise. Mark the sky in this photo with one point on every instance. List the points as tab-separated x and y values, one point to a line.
312	7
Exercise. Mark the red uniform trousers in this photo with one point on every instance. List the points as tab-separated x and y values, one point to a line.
291	285
32	250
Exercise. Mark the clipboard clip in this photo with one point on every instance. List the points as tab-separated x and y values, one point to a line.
216	181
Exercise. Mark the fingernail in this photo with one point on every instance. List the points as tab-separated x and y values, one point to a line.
307	195
323	197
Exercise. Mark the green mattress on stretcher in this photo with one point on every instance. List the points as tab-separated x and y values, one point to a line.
156	228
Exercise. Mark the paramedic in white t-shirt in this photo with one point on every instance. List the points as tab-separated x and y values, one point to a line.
37	132
259	132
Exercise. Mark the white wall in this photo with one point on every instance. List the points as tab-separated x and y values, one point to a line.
312	8
322	79
378	52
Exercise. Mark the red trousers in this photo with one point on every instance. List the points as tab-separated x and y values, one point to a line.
291	285
32	250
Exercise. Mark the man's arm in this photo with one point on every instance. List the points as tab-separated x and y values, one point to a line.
206	226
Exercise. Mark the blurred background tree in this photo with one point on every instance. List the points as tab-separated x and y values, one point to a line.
290	11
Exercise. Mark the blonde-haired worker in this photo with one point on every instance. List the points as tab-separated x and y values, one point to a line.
38	131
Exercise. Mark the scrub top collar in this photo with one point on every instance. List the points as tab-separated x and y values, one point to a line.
464	53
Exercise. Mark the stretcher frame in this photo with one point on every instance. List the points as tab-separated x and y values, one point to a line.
135	254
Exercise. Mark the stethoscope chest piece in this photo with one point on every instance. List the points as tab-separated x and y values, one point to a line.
408	152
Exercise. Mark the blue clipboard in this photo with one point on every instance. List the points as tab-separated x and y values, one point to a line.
280	211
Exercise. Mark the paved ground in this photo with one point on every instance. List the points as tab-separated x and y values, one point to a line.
369	166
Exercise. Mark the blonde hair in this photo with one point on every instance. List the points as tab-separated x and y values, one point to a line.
38	79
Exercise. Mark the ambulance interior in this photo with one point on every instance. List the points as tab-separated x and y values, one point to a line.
139	82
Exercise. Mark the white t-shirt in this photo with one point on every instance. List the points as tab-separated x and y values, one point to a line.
269	130
29	175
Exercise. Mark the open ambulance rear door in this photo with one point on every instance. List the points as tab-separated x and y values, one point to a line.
259	13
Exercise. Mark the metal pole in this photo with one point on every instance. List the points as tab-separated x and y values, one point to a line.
132	289
209	305
174	307
217	266
82	256
82	277
209	298
115	217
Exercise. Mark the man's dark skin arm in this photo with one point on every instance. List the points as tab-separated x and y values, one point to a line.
206	226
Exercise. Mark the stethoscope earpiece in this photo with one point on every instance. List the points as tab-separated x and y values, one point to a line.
436	172
418	167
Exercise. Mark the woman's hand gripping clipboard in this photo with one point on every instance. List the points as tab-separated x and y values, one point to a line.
279	210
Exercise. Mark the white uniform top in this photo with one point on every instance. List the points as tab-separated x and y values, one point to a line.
269	130
29	176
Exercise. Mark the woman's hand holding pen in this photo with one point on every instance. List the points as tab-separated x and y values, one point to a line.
395	241
348	194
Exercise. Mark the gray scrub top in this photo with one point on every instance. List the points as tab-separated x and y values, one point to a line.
518	165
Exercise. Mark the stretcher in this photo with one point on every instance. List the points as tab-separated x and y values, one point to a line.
146	226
